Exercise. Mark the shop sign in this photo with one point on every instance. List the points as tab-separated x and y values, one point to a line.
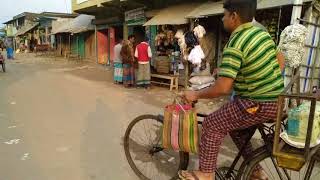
134	14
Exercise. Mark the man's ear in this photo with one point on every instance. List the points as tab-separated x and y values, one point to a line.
234	16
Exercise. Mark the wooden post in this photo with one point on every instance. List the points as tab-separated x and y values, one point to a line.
96	43
125	31
186	81
47	35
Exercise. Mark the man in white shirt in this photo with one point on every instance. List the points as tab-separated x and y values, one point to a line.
117	61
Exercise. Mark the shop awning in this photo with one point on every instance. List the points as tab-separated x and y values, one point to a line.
206	9
82	23
26	29
216	8
173	15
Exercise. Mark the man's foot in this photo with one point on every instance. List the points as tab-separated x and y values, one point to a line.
258	174
195	175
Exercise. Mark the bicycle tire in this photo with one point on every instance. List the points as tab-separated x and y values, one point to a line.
184	157
266	154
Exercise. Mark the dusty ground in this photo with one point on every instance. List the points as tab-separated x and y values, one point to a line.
64	120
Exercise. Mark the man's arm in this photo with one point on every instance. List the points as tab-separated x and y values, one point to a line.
136	53
222	86
149	52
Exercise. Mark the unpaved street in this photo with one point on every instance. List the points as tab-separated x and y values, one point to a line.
63	120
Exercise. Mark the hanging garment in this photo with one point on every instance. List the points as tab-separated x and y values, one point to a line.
196	55
199	31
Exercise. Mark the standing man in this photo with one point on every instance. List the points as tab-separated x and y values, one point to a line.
1	45
143	54
250	66
118	69
9	47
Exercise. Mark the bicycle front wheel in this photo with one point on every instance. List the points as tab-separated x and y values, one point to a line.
147	158
310	171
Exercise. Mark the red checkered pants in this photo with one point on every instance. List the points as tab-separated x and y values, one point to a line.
232	118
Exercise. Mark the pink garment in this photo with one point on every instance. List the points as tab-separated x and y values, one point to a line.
175	131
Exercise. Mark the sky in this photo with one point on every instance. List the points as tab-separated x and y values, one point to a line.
10	8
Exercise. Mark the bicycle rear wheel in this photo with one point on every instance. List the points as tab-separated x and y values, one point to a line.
142	145
310	171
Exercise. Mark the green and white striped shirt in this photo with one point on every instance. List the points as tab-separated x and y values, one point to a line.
250	59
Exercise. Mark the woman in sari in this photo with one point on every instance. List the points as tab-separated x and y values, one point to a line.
127	54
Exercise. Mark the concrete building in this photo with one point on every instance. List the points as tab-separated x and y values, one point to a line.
29	29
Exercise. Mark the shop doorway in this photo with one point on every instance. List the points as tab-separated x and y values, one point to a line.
102	37
139	32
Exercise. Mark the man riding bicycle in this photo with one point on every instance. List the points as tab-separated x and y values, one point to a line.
250	67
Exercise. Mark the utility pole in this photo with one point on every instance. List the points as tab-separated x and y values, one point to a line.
296	11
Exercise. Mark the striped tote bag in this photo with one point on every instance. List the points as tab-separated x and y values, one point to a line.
180	128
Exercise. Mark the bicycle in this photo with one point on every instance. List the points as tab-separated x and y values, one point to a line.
159	163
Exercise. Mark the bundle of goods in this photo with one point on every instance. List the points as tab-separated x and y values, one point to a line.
182	43
159	38
166	35
201	82
296	129
199	31
292	42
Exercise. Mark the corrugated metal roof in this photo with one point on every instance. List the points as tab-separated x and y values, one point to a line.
207	9
216	8
26	29
172	15
79	24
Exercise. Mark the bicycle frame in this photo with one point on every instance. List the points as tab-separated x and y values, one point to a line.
252	130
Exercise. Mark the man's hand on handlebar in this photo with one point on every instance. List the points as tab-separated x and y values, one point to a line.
190	96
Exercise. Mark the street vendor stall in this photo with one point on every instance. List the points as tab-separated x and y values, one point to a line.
168	57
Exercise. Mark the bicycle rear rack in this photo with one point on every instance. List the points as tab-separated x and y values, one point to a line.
289	157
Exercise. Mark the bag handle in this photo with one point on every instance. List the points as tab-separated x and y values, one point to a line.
179	100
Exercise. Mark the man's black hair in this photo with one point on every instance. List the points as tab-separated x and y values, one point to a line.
246	9
119	39
131	36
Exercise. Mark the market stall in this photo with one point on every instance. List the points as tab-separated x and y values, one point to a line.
168	61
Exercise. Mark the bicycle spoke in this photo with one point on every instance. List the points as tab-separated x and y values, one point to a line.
142	141
269	170
143	138
147	134
286	173
277	168
316	174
